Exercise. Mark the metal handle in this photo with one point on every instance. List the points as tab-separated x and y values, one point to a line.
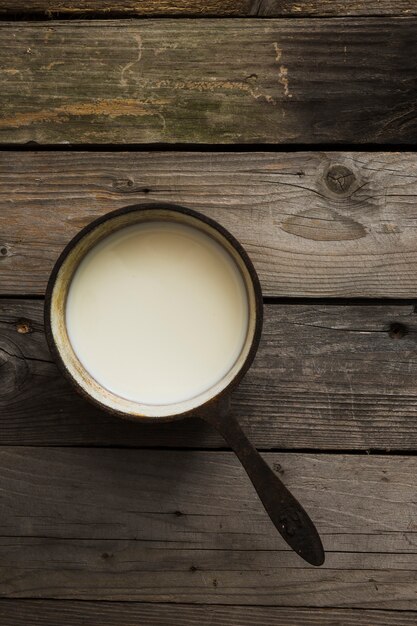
285	511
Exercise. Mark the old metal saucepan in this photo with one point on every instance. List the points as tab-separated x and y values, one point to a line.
285	511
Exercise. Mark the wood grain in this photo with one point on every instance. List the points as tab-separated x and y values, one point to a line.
194	81
335	8
201	8
122	570
188	527
73	613
314	223
204	500
325	376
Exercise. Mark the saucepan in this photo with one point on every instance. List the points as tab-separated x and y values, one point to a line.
154	313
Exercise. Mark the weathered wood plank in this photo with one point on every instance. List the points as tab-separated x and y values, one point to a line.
188	527
121	570
204	500
76	8
315	224
195	81
73	613
220	8
333	377
335	8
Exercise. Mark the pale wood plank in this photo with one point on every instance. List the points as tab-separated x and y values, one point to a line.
73	613
315	224
325	376
187	527
195	81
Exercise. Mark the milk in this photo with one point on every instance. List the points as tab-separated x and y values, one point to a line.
157	312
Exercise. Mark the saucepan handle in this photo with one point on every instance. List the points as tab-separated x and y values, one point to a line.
283	508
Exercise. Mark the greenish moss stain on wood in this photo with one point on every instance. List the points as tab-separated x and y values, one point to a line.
208	81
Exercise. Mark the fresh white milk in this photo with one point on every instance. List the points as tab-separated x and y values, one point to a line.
157	312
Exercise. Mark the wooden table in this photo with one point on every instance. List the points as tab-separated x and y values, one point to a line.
287	121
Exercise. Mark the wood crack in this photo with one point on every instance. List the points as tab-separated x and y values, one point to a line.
24	357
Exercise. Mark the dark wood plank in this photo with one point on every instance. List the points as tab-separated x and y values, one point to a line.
333	377
220	8
121	570
335	8
204	500
184	8
315	224
188	527
73	613
209	81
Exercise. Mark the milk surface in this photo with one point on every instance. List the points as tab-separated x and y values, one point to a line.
157	312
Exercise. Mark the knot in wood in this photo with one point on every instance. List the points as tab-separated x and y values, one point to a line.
123	184
340	179
397	330
24	326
